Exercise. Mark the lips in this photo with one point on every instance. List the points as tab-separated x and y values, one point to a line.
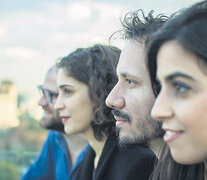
119	120
64	118
171	135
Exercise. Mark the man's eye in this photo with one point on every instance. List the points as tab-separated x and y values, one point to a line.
54	95
130	82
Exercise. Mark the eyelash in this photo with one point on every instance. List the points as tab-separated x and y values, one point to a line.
181	88
129	81
67	91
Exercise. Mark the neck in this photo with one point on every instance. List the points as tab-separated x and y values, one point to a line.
96	145
155	145
75	144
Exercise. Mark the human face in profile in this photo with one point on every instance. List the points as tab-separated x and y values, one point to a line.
181	105
50	118
74	104
132	97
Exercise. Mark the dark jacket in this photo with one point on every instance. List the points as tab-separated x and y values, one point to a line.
133	162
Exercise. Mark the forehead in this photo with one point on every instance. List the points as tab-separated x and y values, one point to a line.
172	57
50	82
64	79
132	59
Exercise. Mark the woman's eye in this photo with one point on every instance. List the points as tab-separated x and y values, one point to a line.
67	91
181	87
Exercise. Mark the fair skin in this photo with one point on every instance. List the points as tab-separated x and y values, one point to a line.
182	103
133	96
76	110
50	115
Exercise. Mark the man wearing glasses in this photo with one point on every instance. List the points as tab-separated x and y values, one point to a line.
60	151
50	118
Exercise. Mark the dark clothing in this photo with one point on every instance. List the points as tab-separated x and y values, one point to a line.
133	162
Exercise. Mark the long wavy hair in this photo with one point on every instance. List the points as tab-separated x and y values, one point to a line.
96	67
189	29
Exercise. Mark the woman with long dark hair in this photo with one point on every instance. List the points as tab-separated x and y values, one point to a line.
177	59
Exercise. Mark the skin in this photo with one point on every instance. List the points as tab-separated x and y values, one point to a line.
74	104
52	120
133	96
182	103
50	117
76	110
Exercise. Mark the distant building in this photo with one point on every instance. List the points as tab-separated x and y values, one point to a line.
8	105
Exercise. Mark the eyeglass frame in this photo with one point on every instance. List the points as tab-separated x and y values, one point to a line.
49	95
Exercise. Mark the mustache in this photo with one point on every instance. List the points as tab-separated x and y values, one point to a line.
46	109
121	114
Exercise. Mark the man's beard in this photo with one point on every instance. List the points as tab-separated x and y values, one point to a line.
140	132
54	124
133	138
57	127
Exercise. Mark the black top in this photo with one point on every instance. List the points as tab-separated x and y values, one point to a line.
136	162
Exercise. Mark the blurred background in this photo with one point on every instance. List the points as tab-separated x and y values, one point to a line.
33	35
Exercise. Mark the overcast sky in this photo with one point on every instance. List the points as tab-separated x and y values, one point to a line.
34	33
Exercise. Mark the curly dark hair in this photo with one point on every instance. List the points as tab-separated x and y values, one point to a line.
136	25
96	67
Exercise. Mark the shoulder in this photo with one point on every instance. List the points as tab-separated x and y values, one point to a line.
136	161
55	137
136	153
53	134
131	162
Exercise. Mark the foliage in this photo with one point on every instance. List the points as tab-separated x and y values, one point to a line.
9	171
31	122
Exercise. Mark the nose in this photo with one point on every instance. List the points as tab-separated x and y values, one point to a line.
115	98
162	108
43	101
59	103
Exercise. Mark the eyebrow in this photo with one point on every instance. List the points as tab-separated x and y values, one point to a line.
64	85
46	89
178	75
125	74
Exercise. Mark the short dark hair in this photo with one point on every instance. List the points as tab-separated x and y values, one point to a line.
136	25
188	28
96	67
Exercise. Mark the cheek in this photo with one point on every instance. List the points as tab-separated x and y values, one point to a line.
142	98
193	116
83	112
139	104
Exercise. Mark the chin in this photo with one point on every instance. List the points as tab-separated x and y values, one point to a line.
182	160
69	131
186	159
125	139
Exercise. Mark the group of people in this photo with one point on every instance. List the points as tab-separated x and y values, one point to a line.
139	113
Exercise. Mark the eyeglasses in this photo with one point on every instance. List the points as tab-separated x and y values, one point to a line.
47	94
